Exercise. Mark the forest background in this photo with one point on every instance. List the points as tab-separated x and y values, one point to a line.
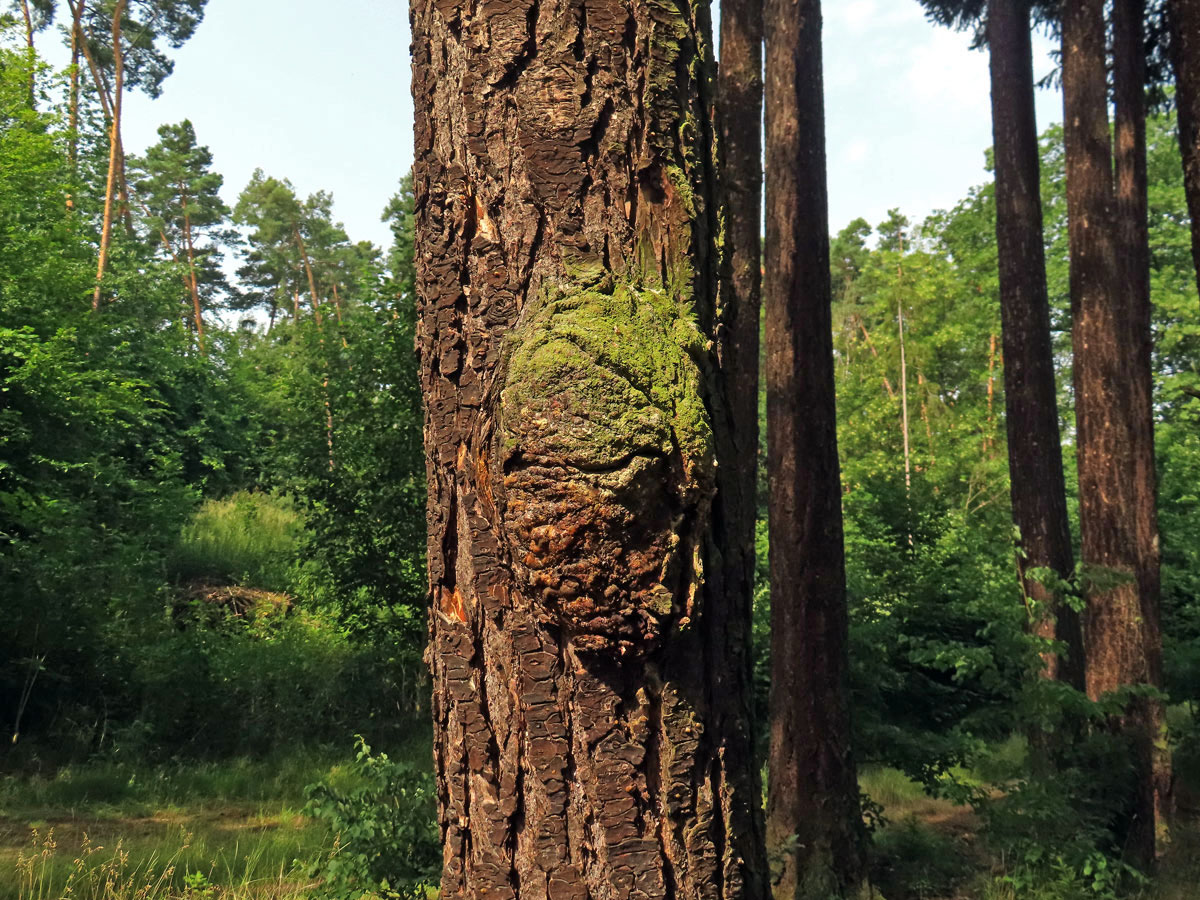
212	524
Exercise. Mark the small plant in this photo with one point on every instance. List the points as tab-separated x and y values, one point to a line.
386	836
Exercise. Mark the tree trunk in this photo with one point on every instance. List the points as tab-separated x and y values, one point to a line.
813	816
114	149
1133	242
193	283
1118	636
1184	17
73	101
1038	488
32	53
740	112
590	706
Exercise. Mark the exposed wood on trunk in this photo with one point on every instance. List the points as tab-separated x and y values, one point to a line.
114	149
1184	16
1037	483
813	816
1120	627
590	707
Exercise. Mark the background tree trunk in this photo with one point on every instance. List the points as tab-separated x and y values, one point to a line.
813	814
1107	404
114	148
589	700
1184	16
740	112
1038	487
1133	242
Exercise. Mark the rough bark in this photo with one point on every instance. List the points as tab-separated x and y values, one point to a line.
813	816
1038	487
1184	16
114	149
1133	243
590	705
1119	638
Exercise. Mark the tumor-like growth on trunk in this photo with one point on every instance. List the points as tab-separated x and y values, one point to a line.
608	461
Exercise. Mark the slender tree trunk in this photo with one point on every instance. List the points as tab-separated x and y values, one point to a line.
312	281
1133	242
1037	484
1107	403
114	149
73	100
1184	16
813	815
590	708
740	88
32	53
193	283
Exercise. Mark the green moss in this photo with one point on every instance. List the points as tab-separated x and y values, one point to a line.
600	373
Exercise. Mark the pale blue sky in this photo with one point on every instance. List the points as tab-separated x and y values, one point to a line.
319	93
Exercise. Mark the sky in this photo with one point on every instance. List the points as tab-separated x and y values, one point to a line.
319	93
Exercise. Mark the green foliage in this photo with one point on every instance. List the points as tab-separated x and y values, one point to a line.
387	837
247	539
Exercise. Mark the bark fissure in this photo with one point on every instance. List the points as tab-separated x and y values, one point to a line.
565	247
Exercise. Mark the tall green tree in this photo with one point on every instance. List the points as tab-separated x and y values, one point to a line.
185	215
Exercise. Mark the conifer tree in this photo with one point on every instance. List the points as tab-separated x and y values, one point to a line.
185	214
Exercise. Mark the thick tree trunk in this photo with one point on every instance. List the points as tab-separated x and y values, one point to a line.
1038	488
1133	242
1118	636
1184	16
590	702
813	816
114	149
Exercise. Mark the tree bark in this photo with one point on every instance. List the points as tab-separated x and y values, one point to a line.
114	149
1037	484
1184	17
813	815
1118	635
740	88
590	705
32	53
1133	242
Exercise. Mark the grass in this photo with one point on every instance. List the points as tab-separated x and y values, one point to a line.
248	539
111	831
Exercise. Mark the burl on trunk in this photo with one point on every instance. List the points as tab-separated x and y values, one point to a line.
589	665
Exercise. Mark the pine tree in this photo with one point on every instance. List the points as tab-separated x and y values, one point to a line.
589	698
813	815
185	214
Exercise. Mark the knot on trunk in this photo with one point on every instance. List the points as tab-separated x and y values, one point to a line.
608	458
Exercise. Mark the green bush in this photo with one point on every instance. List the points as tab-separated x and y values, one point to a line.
386	835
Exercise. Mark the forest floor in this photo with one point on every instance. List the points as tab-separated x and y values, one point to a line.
234	830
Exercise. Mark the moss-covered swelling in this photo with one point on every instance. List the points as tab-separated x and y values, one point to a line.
608	453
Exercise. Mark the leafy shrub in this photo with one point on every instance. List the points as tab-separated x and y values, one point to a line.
385	827
911	861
